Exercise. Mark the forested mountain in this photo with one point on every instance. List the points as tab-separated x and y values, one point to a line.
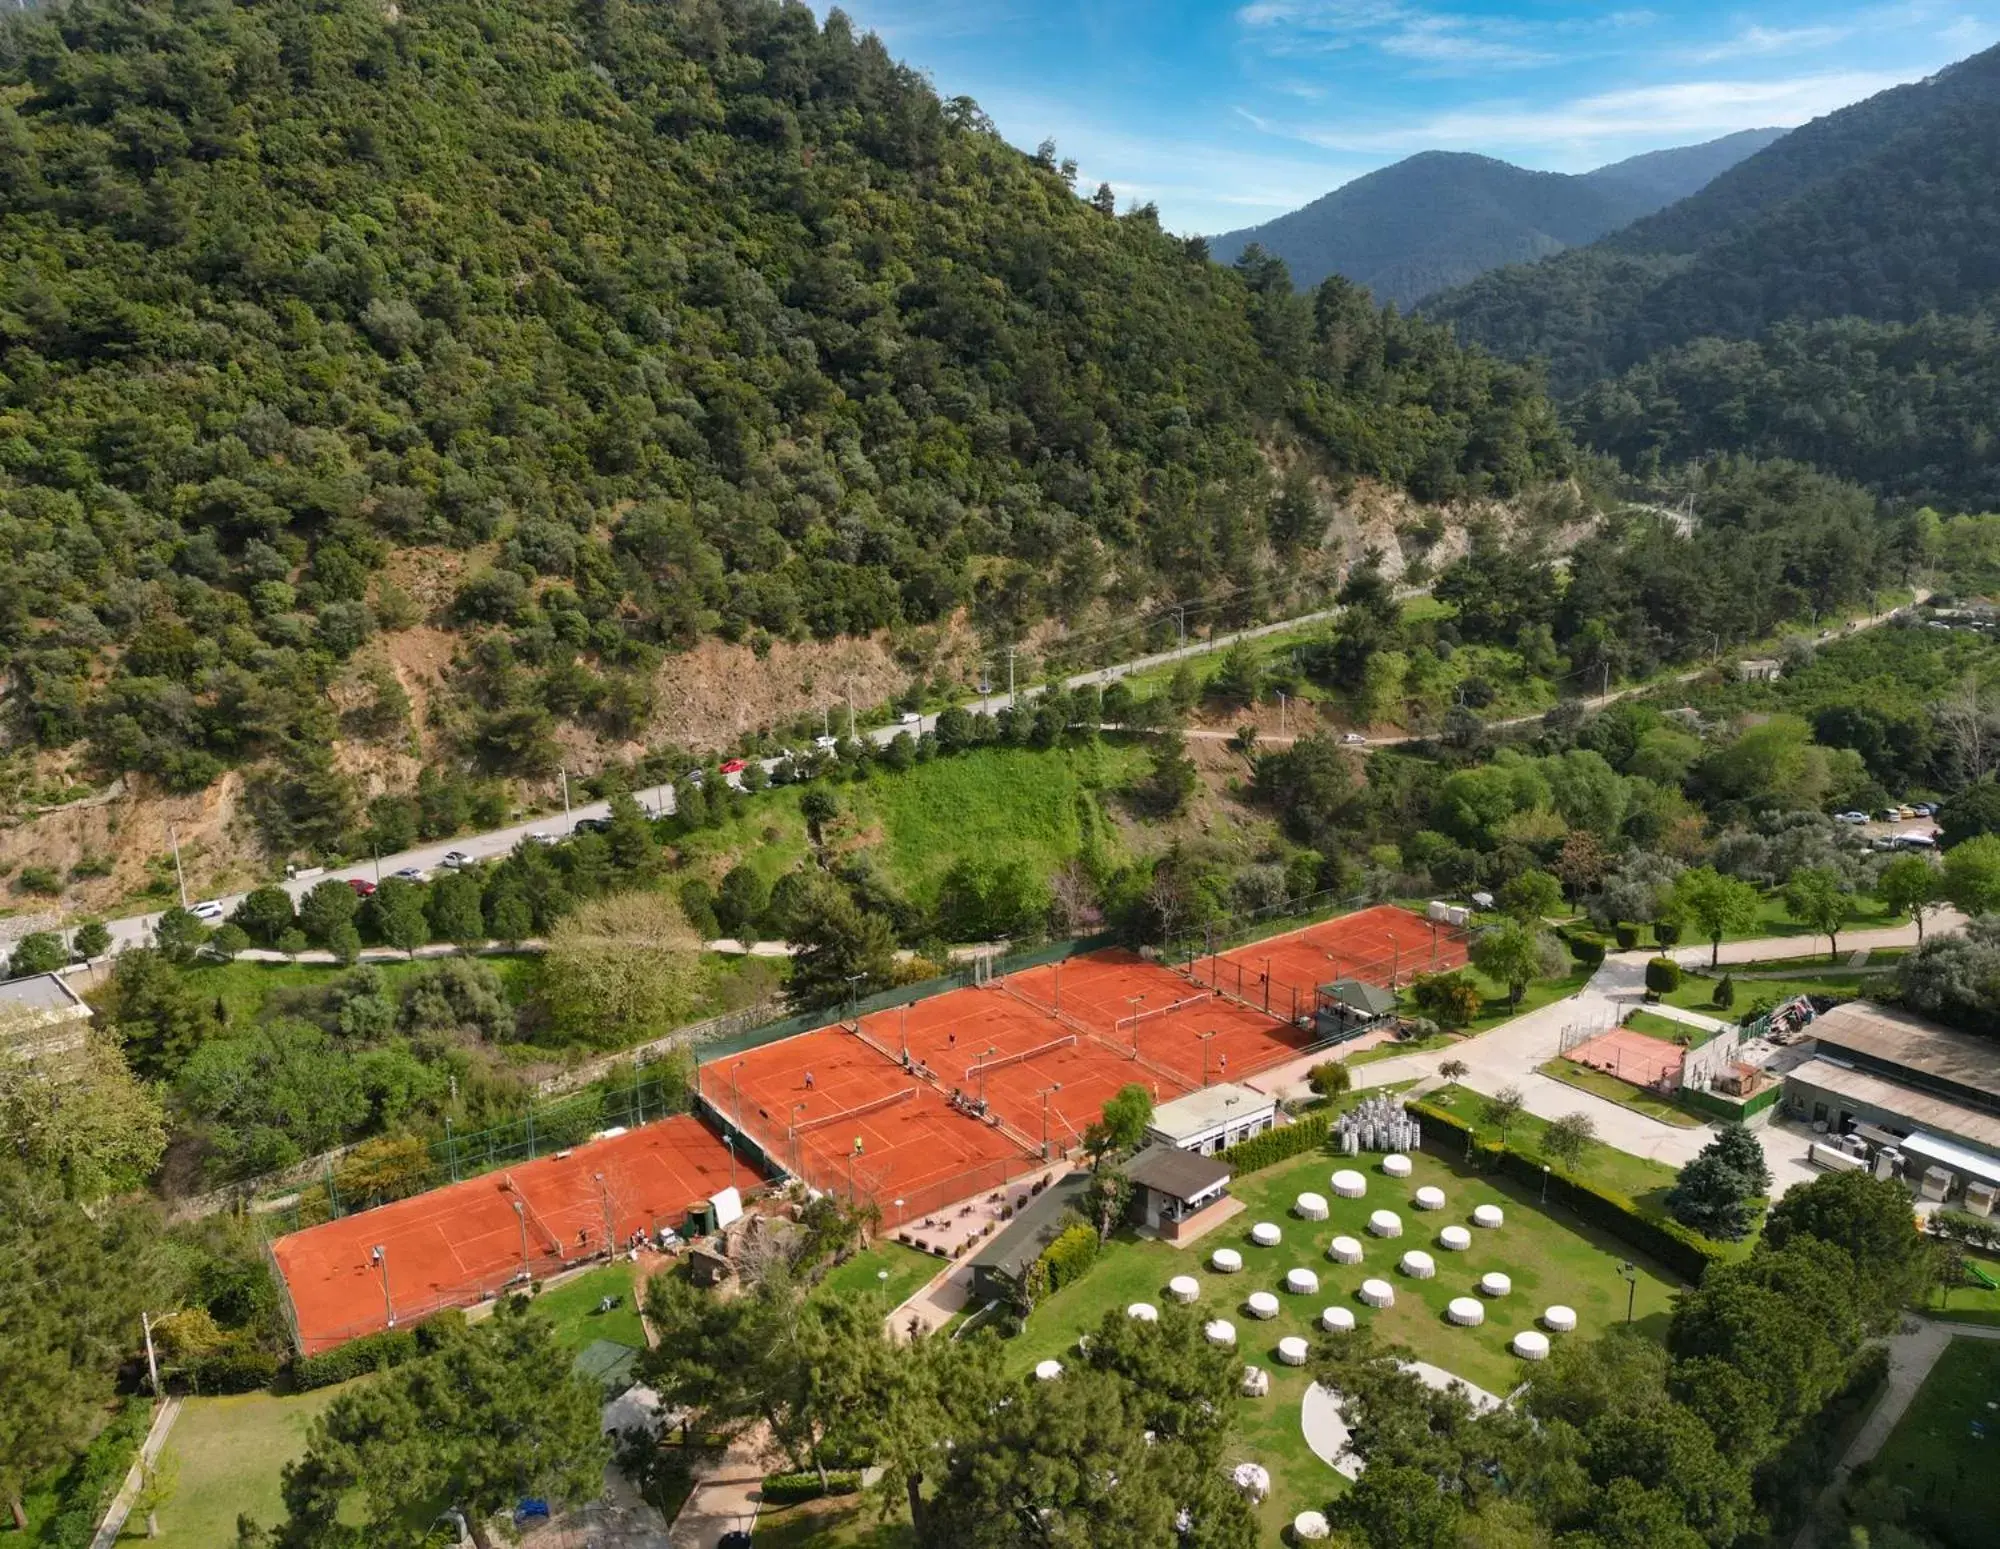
670	319
1439	219
1863	227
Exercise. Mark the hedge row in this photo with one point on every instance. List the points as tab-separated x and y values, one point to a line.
1961	1226
85	1488
1069	1257
1687	1253
356	1358
233	1371
1280	1144
788	1489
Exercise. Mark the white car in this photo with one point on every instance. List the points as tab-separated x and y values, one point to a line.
208	911
411	874
1850	817
909	718
454	859
541	836
1353	738
826	744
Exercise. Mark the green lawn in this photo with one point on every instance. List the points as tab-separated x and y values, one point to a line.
1970	1302
1622	1093
887	1269
1945	1451
1388	1051
1698	994
847	1522
1550	1257
1666	1029
1497	1009
1636	1177
572	1307
231	1452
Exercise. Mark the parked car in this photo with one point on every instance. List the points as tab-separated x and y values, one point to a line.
1906	813
1924	809
735	765
1889	815
909	718
1850	817
590	825
455	859
363	888
208	911
412	874
735	1538
1353	738
826	744
541	836
1914	842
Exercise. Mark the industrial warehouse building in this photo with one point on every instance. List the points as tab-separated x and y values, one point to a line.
1894	1083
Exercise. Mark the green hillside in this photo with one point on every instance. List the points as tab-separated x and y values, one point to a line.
669	320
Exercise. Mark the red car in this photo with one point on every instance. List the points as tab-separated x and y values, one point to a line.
735	766
363	888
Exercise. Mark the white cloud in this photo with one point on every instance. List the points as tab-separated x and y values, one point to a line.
1440	42
1771	40
1659	113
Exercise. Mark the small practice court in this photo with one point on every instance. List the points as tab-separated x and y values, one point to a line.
1384	946
463	1243
1632	1056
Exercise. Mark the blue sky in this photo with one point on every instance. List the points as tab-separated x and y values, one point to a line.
1227	114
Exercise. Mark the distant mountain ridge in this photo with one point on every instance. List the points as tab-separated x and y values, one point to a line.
1442	218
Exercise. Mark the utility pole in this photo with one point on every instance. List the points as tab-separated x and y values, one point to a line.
1281	712
567	824
152	1361
730	1141
610	1227
1204	1037
521	1216
180	878
850	717
1045	1117
1010	676
375	850
380	1255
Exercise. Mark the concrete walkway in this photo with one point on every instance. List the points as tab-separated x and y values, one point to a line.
1913	1350
149	1454
728	1495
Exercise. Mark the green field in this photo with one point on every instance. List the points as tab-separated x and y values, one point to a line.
1622	1093
1666	1029
1945	1451
572	1308
887	1269
1550	1257
1969	1301
230	1452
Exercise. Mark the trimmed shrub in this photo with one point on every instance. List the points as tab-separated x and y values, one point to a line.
1663	976
788	1489
370	1353
1688	1254
1587	950
234	1371
1628	936
1280	1144
1069	1257
1725	993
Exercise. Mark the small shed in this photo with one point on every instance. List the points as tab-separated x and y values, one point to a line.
1178	1194
1350	1007
997	1268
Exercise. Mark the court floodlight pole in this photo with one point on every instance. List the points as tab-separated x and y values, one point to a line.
1204	1037
521	1216
380	1255
610	1232
730	1142
1045	1117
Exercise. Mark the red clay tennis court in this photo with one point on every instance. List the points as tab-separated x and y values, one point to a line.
1631	1056
458	1245
1384	946
915	1147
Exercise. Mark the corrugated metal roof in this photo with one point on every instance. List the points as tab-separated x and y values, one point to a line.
1898	1038
1170	1170
1920	1110
1956	1157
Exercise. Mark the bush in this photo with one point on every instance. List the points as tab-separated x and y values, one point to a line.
1628	936
1588	950
1663	976
1280	1144
1687	1253
789	1489
1329	1078
234	1371
356	1358
1449	999
1962	1226
85	1487
1070	1256
1725	993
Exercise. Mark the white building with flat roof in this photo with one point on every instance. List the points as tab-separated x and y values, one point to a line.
1213	1119
41	1016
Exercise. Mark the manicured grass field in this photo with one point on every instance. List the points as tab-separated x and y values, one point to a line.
1969	1302
1388	1051
572	1308
888	1270
1945	1451
231	1452
1496	1007
1666	1029
1622	1093
849	1522
1551	1257
1698	994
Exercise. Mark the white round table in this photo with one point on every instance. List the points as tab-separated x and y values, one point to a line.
1184	1288
1253	1479
1397	1165
1266	1235
1310	1527
1337	1320
1530	1346
1349	1184
1301	1282
1488	1215
1465	1310
1143	1312
1493	1283
1310	1206
1220	1331
1048	1371
1560	1318
1419	1265
1261	1304
1429	1198
1386	1223
1293	1350
1344	1250
1378	1293
1225	1261
1455	1238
